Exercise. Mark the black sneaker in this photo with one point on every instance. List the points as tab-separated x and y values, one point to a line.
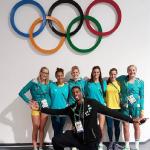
110	146
117	146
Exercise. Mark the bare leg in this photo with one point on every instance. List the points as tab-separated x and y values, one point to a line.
136	134
43	120
35	124
126	133
136	130
101	125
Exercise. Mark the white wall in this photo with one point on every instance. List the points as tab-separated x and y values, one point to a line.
19	62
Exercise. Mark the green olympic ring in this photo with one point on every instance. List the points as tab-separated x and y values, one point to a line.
69	37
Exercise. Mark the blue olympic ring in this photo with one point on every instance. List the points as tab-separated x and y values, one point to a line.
12	16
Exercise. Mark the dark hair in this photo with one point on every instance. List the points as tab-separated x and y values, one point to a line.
76	87
59	70
100	78
112	69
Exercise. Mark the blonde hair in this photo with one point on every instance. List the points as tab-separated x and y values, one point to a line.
131	66
75	67
39	78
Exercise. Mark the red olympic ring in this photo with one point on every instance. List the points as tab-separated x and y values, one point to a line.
115	5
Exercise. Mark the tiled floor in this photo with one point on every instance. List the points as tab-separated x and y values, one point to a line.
143	146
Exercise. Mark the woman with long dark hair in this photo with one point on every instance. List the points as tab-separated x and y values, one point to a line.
96	89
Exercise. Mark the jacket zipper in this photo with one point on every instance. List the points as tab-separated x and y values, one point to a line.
93	133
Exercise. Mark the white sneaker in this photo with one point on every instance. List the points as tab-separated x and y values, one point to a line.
100	147
40	148
74	148
137	147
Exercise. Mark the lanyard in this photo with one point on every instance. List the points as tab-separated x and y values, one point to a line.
115	87
80	110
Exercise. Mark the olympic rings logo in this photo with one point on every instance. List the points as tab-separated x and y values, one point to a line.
65	35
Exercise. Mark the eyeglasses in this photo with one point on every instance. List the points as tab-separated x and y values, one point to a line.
45	72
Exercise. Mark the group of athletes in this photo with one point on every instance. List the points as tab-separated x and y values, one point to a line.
113	99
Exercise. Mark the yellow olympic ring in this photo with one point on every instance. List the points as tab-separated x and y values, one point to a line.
39	49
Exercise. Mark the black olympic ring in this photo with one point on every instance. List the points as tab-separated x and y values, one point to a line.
76	5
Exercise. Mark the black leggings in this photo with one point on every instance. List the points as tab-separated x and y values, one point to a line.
68	139
110	128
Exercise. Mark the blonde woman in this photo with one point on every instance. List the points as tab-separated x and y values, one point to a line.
39	89
132	102
76	80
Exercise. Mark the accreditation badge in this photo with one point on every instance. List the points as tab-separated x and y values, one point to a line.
131	99
44	103
79	127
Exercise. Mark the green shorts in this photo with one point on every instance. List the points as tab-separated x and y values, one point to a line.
133	110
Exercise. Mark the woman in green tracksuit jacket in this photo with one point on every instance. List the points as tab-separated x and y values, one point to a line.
132	102
75	81
59	96
39	89
96	89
